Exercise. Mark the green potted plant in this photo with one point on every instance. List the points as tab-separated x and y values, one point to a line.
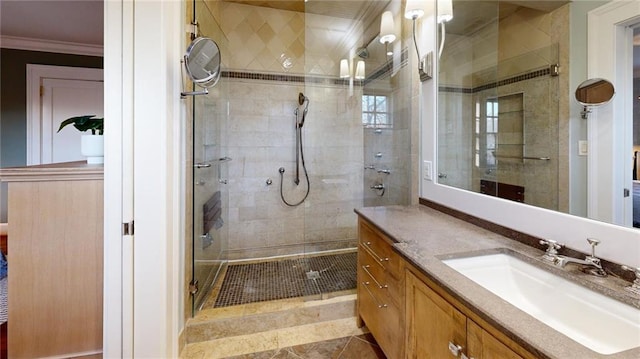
91	145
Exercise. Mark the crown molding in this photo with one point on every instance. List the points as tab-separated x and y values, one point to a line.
62	47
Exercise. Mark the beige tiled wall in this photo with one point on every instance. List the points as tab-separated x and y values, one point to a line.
262	139
260	134
263	39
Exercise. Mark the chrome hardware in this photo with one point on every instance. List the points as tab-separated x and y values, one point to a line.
269	182
365	284
378	155
127	229
592	263
207	240
551	255
365	268
379	187
377	131
193	287
442	175
635	287
370	167
367	246
455	349
384	171
209	163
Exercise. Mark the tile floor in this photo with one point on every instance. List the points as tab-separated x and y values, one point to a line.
353	347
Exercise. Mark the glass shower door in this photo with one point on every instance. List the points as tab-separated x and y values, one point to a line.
210	199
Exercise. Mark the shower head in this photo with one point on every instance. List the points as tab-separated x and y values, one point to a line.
363	52
302	98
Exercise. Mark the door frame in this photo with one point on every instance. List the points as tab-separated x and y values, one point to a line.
144	179
35	75
610	56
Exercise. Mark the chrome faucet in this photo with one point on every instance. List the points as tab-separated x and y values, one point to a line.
551	255
592	263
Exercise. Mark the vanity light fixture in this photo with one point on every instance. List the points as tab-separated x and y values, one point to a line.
413	11
445	14
344	69
387	34
360	70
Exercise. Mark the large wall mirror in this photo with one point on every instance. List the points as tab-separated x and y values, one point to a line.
508	124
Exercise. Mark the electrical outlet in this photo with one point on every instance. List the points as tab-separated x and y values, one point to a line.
427	167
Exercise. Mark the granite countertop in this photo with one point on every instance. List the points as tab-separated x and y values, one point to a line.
425	236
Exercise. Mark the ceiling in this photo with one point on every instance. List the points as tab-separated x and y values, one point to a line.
77	21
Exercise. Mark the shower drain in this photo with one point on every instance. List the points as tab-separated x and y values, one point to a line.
313	274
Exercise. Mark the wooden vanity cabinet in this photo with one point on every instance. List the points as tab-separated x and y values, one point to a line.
443	328
381	290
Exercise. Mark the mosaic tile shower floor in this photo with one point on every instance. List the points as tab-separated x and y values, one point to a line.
265	281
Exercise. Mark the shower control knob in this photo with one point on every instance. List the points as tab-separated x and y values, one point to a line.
269	182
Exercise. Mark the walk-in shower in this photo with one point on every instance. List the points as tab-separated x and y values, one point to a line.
276	60
302	101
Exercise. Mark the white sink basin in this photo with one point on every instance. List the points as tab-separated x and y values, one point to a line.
596	321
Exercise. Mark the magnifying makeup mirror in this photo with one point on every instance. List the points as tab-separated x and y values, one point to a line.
593	93
202	62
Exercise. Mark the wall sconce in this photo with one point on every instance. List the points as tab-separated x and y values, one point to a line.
413	11
387	34
445	14
344	69
360	70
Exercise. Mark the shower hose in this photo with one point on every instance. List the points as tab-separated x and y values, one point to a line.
304	167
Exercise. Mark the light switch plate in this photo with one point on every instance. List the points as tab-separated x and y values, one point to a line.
583	148
427	168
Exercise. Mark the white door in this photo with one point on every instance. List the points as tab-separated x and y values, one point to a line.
62	99
55	93
610	54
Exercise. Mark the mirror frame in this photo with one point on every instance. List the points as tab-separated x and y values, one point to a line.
565	228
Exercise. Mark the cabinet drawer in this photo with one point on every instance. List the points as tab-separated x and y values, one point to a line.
379	249
370	271
384	322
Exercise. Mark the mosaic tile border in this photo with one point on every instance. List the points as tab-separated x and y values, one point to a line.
522	77
288	78
380	73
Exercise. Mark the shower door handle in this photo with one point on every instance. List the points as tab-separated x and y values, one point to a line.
202	165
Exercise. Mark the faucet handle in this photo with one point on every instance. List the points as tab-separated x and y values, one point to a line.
552	249
593	242
635	287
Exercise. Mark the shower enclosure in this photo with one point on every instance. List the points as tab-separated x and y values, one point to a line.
356	138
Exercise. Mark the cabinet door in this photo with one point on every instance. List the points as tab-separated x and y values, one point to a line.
435	327
483	345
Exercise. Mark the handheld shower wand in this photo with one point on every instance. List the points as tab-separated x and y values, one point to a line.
301	100
299	151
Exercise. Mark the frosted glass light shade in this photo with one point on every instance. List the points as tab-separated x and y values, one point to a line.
445	11
344	68
360	70
414	9
387	27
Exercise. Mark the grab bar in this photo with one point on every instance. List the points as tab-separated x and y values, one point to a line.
524	158
208	164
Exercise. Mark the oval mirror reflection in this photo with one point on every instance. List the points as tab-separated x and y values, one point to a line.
202	62
595	92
